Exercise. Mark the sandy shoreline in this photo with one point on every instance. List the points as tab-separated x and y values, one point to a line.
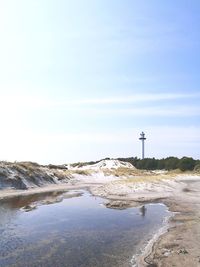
175	245
179	244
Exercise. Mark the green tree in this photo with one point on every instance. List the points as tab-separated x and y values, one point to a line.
197	168
161	164
171	163
186	163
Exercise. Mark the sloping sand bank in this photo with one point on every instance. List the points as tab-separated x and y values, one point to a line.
180	245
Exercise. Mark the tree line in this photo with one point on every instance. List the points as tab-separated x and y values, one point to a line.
169	163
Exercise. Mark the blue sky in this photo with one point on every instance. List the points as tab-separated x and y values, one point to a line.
79	80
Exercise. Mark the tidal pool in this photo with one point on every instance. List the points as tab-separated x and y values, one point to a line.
77	231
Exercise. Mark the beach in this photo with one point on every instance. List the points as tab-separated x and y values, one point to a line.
177	241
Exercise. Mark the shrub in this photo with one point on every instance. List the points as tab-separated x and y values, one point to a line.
186	163
197	168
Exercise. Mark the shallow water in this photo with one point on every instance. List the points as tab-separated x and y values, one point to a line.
75	232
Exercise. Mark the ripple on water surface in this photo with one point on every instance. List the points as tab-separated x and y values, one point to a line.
75	232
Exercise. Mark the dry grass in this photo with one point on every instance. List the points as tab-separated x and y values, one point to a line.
62	174
25	166
176	171
82	172
148	178
123	172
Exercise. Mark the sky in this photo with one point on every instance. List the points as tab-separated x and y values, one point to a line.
80	80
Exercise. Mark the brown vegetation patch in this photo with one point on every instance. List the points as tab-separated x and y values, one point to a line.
82	172
148	178
122	172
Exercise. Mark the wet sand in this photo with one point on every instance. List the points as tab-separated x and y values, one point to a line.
179	246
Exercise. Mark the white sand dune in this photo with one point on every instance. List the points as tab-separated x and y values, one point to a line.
107	164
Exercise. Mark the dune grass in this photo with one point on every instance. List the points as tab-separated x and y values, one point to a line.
122	172
81	172
149	178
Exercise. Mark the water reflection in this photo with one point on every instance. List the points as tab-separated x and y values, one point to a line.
72	232
22	201
143	210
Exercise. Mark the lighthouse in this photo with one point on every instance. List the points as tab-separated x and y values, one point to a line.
142	138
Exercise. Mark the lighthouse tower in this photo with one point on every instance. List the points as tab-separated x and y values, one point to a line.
142	138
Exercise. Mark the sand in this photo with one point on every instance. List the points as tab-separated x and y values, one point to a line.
180	246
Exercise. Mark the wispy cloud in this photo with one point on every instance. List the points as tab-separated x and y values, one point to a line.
138	105
136	98
156	111
35	101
